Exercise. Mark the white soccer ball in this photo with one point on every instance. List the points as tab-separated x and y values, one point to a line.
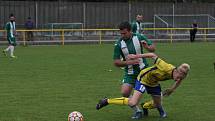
75	116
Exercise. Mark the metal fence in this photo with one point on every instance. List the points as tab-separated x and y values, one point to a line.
93	14
70	36
184	20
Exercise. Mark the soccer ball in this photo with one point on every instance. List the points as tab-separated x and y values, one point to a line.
75	116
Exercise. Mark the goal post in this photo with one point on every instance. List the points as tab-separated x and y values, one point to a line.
183	21
53	26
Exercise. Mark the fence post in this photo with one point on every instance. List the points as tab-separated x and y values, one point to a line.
205	35
171	35
100	37
62	35
23	34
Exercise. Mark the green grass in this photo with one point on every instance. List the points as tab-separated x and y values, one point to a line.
45	83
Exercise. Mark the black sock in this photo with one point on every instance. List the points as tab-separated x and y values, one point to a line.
160	109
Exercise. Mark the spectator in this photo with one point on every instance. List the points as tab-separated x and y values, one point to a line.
29	25
193	31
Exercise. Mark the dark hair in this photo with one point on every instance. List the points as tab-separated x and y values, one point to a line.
29	17
11	15
125	25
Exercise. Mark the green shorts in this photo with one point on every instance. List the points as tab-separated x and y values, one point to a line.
11	41
129	79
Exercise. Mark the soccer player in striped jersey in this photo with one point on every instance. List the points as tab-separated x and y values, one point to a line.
11	32
136	25
148	80
130	43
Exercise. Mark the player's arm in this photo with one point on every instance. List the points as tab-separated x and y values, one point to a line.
170	90
15	32
117	58
150	48
122	63
145	55
147	44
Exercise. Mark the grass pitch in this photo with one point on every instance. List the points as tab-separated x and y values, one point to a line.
46	83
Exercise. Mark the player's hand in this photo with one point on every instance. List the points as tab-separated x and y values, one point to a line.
144	43
167	92
131	57
15	33
132	62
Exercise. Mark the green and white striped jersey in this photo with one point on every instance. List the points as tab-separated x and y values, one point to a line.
10	28
136	27
131	46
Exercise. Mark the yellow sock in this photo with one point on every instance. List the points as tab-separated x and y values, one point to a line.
118	101
149	105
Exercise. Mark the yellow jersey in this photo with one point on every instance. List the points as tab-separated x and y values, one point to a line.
160	71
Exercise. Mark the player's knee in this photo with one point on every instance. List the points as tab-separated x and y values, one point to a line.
157	104
132	102
126	90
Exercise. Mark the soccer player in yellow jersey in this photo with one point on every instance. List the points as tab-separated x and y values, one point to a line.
148	80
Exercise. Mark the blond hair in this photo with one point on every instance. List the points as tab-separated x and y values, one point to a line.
184	68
